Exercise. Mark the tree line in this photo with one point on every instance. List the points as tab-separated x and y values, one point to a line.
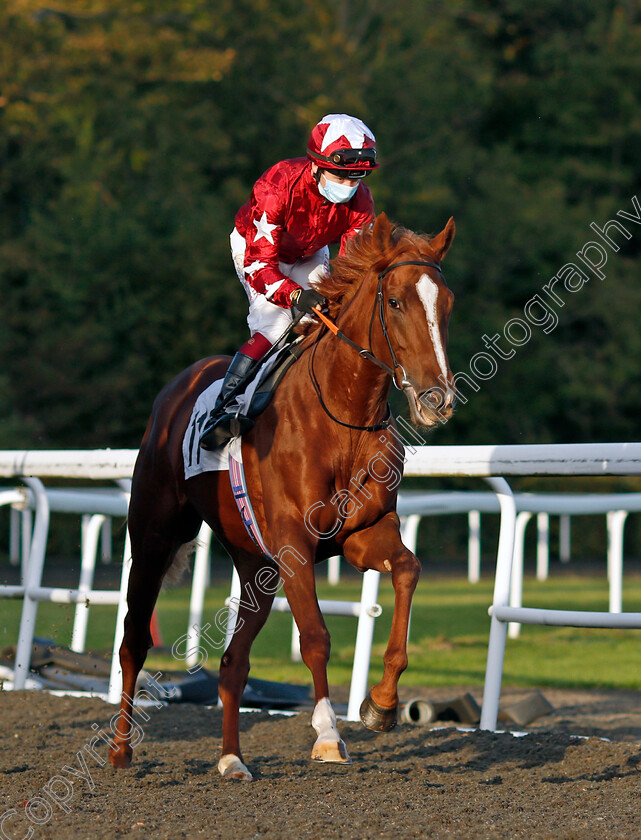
131	132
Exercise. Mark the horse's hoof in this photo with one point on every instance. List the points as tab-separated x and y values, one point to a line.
231	767
334	752
375	717
121	760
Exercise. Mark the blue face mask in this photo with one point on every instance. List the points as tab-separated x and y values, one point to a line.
335	192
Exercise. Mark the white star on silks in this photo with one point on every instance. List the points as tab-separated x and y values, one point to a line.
255	266
264	229
353	129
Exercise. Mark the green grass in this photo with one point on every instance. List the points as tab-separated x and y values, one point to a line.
448	641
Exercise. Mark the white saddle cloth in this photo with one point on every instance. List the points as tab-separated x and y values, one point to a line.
197	460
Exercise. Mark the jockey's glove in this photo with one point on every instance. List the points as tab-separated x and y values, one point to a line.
306	300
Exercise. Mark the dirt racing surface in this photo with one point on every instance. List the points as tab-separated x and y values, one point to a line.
575	775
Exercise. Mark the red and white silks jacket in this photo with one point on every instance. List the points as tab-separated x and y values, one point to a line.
287	219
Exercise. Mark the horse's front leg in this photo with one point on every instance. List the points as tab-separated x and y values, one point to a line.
380	547
300	588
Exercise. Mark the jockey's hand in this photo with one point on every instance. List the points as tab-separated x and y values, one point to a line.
306	300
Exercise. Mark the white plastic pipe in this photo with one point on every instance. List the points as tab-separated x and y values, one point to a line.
199	583
516	583
364	638
348	608
108	501
480	461
27	527
234	595
33	580
17	498
409	530
92	528
564	618
616	524
498	628
59	595
528	459
12	591
334	570
474	546
564	538
296	655
15	522
115	677
79	463
106	544
542	546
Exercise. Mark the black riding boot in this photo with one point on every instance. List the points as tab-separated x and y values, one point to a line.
220	427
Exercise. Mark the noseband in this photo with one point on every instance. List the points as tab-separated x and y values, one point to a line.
367	354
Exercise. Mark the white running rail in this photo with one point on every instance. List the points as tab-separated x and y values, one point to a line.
488	462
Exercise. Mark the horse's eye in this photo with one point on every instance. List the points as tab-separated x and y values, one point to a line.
394	303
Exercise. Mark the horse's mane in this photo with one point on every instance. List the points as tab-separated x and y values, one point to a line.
364	256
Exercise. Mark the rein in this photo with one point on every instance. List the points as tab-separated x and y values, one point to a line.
367	354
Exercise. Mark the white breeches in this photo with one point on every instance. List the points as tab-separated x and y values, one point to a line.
265	317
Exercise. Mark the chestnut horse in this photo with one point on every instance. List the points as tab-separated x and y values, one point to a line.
309	463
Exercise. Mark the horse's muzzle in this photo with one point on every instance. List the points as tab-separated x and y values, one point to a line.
431	407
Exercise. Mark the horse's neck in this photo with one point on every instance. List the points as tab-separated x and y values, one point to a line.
354	389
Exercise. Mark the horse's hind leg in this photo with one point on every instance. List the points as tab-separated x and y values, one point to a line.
258	587
153	549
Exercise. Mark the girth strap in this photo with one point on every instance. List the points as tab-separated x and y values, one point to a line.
241	496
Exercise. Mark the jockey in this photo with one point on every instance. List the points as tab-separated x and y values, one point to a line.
280	243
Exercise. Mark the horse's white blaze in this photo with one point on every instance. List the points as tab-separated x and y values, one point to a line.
428	293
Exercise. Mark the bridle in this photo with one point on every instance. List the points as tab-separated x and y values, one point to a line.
405	383
367	354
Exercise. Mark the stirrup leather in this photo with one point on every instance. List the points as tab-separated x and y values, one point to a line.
220	417
221	428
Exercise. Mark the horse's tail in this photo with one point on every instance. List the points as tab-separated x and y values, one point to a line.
181	563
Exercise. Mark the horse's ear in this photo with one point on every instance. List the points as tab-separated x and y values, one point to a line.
442	241
382	231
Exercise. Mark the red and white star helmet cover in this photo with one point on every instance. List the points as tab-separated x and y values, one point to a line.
340	132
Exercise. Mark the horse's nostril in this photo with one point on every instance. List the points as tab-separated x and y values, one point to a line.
433	398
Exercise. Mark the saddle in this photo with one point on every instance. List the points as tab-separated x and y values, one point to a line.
269	379
252	399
